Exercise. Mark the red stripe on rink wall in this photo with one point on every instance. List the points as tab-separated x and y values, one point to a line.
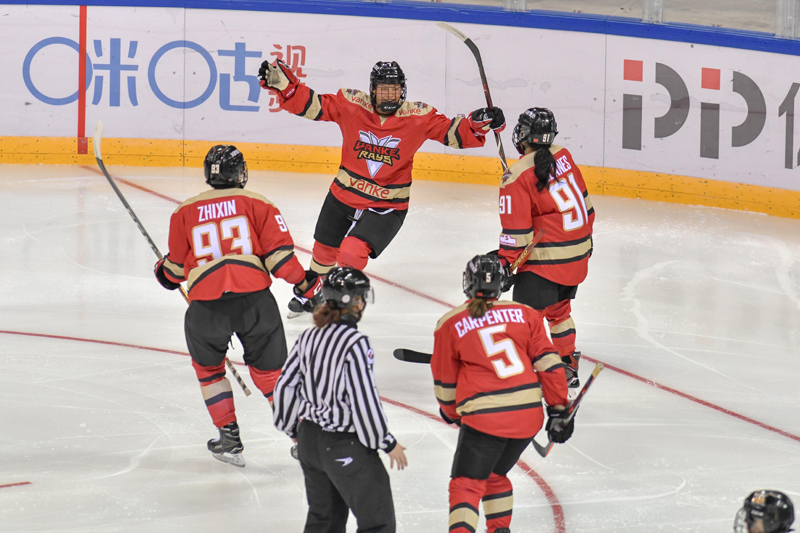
558	512
83	143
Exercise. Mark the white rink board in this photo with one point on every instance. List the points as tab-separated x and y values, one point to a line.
578	75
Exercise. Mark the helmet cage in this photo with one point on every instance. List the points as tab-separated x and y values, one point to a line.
387	72
483	277
773	508
343	286
536	126
224	167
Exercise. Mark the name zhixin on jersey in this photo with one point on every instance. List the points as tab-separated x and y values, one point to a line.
492	317
217	210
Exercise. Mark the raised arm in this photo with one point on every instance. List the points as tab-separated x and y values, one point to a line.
464	132
296	97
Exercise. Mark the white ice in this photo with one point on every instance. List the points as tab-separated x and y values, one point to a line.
704	302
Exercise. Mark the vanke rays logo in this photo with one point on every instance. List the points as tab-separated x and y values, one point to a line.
377	152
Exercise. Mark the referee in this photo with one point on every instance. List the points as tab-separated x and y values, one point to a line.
326	398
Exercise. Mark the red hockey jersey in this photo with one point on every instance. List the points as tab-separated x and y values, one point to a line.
563	209
378	151
229	240
490	372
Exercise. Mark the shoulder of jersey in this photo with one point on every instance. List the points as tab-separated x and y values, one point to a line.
356	97
450	314
414	109
213	194
509	303
525	163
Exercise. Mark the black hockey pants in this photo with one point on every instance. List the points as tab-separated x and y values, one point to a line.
342	474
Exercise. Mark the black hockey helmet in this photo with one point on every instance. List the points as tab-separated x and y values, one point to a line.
774	509
342	285
387	72
225	167
536	125
483	277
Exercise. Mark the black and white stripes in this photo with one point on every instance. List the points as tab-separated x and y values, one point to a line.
328	380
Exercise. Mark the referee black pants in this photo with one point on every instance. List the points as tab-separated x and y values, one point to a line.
341	474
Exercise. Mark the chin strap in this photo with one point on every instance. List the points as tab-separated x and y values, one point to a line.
350	317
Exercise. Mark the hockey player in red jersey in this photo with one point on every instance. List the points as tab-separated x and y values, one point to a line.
225	243
545	191
491	365
368	199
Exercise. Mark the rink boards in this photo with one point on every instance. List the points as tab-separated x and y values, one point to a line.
649	118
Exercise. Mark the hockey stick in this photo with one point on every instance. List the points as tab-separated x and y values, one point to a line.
412	356
572	409
98	134
475	52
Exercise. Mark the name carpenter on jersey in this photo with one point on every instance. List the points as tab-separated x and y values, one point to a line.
217	210
493	316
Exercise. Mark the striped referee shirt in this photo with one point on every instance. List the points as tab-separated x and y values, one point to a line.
328	380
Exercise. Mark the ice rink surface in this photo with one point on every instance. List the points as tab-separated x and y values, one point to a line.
695	311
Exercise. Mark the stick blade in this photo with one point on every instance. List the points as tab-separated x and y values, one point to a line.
447	27
98	135
542	450
411	356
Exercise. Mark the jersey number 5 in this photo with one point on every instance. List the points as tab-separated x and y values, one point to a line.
570	202
207	243
505	346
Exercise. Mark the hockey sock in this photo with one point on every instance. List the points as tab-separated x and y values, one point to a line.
562	329
323	258
465	496
217	393
265	380
353	253
497	502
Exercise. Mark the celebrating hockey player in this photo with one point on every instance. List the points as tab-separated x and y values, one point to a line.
326	398
765	511
368	199
545	191
491	364
225	243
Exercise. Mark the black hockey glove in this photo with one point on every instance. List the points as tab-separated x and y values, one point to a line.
448	419
309	291
485	119
278	77
557	429
509	279
162	278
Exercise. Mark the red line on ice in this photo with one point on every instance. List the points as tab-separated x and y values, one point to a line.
697	400
610	367
15	484
558	512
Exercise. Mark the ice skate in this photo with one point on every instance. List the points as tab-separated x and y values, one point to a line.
571	369
228	446
296	307
299	306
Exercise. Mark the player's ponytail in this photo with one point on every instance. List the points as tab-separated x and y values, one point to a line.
326	314
477	307
545	166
